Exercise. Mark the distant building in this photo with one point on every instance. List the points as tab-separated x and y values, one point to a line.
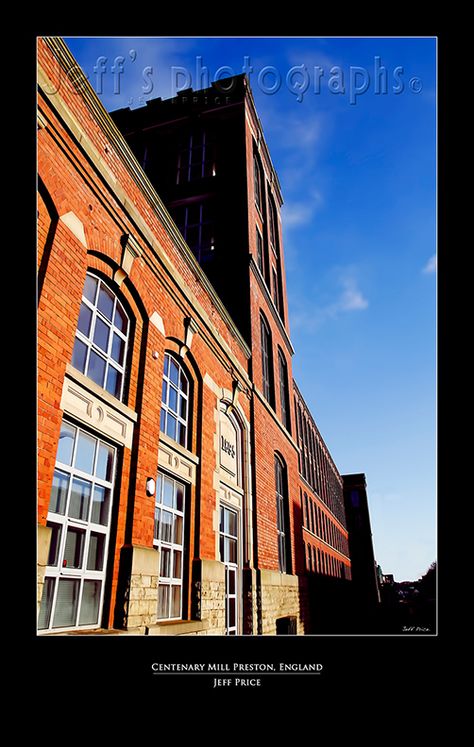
365	591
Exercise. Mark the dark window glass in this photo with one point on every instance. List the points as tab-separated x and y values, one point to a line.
284	394
265	341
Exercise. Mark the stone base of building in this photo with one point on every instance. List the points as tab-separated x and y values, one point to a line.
143	592
44	538
283	604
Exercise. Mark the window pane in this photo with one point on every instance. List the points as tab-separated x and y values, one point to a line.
167	363
183	383
171	427
90	603
65	444
159	482
96	368
90	288
164	390
84	460
231	582
162	420
175	601
166	525
101	334
95	556
222	549
156	530
79	355
168	492
232	605
84	323
181	439
183	402
173	372
79	502
231	550
179	496
105	462
177	556
57	501
106	301
163	601
118	349
66	603
120	319
232	523
114	381
74	549
46	603
173	399
165	557
54	543
178	530
100	505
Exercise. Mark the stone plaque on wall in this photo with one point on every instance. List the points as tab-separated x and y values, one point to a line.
228	456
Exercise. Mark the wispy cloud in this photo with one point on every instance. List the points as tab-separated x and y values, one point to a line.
351	298
430	266
295	214
344	297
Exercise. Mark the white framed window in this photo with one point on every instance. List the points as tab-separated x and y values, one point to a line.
100	347
175	401
168	537
79	518
229	555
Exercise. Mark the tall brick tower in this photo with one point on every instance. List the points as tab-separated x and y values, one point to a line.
205	154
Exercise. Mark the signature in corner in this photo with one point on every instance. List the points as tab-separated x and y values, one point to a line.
415	629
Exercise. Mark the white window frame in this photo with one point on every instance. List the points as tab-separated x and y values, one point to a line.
165	408
172	546
58	572
237	567
92	346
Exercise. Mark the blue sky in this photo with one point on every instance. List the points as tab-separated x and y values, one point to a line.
351	128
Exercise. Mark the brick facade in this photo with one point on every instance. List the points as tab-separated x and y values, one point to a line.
99	215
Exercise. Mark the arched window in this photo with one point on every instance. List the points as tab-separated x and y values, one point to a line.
283	523
100	348
284	395
175	402
267	360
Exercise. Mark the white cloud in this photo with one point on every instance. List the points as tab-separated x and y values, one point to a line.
430	266
296	214
351	298
348	298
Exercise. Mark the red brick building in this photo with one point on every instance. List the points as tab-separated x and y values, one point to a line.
170	491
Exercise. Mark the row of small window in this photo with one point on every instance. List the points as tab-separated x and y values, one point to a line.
315	467
319	524
100	352
318	561
268	389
